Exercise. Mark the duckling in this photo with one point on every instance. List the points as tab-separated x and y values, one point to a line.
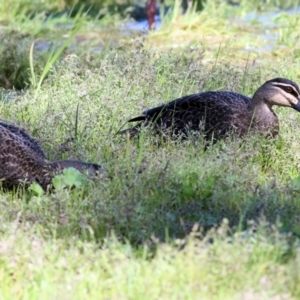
23	161
217	113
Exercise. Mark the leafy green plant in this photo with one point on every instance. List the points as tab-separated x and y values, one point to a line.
68	179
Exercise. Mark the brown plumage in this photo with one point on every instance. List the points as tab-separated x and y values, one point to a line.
217	113
23	161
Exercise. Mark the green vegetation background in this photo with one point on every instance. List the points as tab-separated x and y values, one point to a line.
167	220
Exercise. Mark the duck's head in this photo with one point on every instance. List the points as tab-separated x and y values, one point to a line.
281	92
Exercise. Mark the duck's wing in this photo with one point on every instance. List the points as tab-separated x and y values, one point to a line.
157	111
186	113
218	100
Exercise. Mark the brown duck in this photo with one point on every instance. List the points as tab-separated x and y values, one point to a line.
217	113
23	161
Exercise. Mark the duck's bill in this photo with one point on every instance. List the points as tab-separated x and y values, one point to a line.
297	106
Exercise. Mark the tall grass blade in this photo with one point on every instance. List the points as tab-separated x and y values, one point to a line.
33	79
55	55
76	123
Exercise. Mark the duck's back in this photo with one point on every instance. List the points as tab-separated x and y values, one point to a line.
212	112
27	139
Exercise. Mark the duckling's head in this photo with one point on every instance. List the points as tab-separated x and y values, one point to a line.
279	91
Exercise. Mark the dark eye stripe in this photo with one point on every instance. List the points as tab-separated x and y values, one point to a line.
287	88
291	91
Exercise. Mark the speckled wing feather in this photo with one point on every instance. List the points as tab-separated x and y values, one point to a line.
28	140
18	160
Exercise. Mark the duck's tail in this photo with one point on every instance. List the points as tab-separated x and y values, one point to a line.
134	131
139	118
131	132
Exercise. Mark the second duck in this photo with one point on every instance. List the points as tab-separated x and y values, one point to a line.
217	113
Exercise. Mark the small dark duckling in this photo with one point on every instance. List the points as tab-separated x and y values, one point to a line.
217	113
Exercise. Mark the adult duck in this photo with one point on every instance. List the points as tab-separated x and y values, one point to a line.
218	113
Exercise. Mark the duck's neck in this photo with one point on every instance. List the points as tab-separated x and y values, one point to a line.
263	117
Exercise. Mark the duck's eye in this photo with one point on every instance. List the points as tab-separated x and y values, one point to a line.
288	89
292	91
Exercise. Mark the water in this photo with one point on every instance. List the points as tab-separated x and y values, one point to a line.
266	20
140	26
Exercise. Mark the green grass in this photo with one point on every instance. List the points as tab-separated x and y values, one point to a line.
165	219
253	266
120	237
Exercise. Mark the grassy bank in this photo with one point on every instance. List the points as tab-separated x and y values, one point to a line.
150	196
167	220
